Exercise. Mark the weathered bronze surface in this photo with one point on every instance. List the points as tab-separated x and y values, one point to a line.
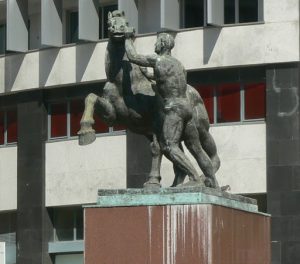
161	106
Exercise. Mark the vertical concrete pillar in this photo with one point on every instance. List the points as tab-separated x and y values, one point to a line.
130	7
89	20
215	12
52	29
33	224
138	159
17	25
283	161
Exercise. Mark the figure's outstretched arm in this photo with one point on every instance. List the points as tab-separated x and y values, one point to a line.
145	61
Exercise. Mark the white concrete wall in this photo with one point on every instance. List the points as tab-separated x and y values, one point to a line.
75	173
197	49
242	150
8	178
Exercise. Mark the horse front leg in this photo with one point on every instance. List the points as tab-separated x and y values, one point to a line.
154	176
87	133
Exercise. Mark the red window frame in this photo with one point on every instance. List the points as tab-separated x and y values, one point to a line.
255	100
59	120
99	126
207	93
76	112
12	126
229	103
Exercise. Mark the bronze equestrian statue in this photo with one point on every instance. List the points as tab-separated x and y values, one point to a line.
160	106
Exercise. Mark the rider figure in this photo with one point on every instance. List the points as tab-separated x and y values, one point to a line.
176	117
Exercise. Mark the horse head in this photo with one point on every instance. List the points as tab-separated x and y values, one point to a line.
117	25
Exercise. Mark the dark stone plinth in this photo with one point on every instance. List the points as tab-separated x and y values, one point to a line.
174	233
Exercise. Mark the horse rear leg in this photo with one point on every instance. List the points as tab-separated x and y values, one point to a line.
87	133
154	176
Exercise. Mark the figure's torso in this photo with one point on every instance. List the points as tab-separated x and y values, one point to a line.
170	77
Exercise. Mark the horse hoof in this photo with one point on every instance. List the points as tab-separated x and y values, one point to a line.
86	137
152	183
211	183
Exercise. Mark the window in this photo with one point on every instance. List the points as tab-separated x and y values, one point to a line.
73	27
68	224
242	11
103	14
255	97
8	235
207	94
64	120
2	39
229	11
228	103
234	102
248	11
192	13
8	127
59	120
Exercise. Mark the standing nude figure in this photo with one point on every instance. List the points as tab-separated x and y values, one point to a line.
174	119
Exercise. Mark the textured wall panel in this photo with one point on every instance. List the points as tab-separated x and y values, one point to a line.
89	20
17	25
215	12
130	7
170	14
52	29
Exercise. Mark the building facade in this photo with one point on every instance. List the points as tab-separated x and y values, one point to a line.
241	55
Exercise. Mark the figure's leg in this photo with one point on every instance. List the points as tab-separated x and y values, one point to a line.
86	132
169	142
179	174
154	176
192	142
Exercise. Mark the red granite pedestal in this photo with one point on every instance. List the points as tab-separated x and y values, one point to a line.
176	234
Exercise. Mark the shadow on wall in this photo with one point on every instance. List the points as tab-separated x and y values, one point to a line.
83	57
47	59
210	38
12	67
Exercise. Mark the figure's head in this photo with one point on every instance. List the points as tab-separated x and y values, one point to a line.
117	24
164	42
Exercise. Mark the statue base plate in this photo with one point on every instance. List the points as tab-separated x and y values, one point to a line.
173	226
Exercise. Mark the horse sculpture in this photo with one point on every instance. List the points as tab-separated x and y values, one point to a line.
129	98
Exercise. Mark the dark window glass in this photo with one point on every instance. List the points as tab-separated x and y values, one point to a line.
73	27
79	224
76	110
64	224
12	128
228	108
1	128
207	94
119	127
248	11
103	19
100	126
58	120
255	101
2	39
193	13
229	11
